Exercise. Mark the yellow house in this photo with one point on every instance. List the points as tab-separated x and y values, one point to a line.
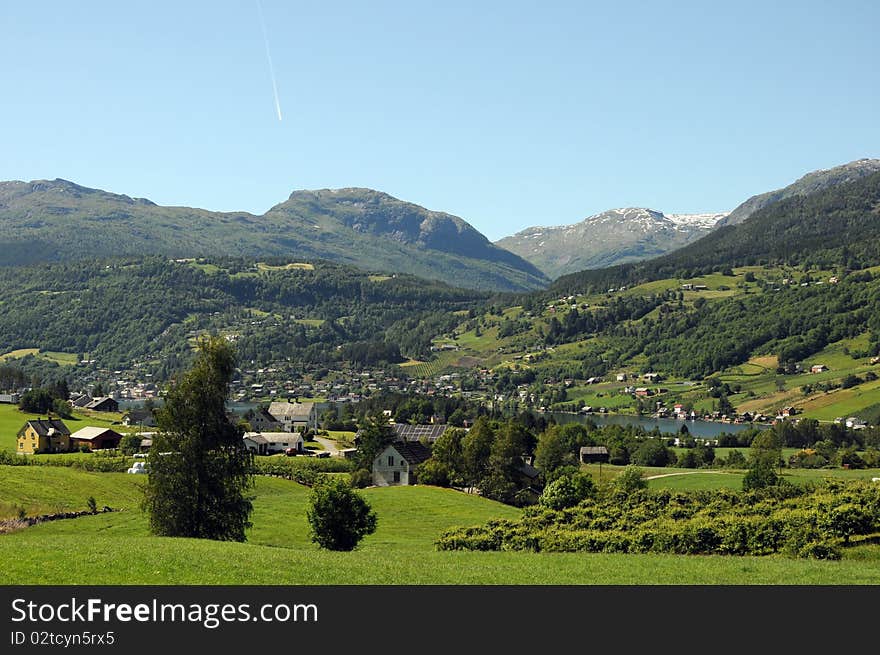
43	436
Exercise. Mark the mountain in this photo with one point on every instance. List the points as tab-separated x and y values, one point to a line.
808	184
834	227
57	220
615	236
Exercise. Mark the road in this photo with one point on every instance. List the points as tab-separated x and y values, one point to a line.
329	445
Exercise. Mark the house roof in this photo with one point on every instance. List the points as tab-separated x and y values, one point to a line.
89	433
97	402
264	414
431	432
139	414
43	425
275	437
256	437
291	410
594	450
528	470
413	452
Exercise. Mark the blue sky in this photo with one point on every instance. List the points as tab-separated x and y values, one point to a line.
508	114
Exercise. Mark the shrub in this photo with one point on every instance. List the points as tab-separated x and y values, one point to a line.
630	480
361	478
339	517
567	491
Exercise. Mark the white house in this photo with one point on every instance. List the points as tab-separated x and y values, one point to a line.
269	443
294	415
396	463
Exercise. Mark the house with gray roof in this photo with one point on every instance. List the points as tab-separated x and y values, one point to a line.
293	416
396	463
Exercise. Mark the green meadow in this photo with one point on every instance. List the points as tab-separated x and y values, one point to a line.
116	548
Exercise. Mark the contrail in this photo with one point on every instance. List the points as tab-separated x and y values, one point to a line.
269	57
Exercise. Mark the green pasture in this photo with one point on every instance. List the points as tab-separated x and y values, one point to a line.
116	548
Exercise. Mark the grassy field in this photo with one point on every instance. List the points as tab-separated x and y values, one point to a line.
65	359
21	352
116	548
50	489
444	360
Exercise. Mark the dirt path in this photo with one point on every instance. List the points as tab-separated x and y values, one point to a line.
330	446
669	475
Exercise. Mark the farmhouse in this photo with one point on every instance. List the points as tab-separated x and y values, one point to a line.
269	443
818	368
10	398
142	417
263	421
294	415
103	404
95	438
80	399
43	436
591	454
396	463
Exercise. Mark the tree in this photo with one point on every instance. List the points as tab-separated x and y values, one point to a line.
502	481
199	465
475	449
761	473
375	434
339	517
567	491
447	455
551	452
652	452
130	443
630	479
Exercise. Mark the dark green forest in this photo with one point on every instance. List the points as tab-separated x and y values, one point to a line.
136	310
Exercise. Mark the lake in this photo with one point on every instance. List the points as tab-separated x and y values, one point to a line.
697	428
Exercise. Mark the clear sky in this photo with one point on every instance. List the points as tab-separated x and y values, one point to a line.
508	114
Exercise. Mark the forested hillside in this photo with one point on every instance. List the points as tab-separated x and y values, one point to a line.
124	311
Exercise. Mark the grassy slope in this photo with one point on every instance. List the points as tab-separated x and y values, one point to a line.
116	549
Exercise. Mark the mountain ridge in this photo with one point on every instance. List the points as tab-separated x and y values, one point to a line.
52	220
615	236
805	185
